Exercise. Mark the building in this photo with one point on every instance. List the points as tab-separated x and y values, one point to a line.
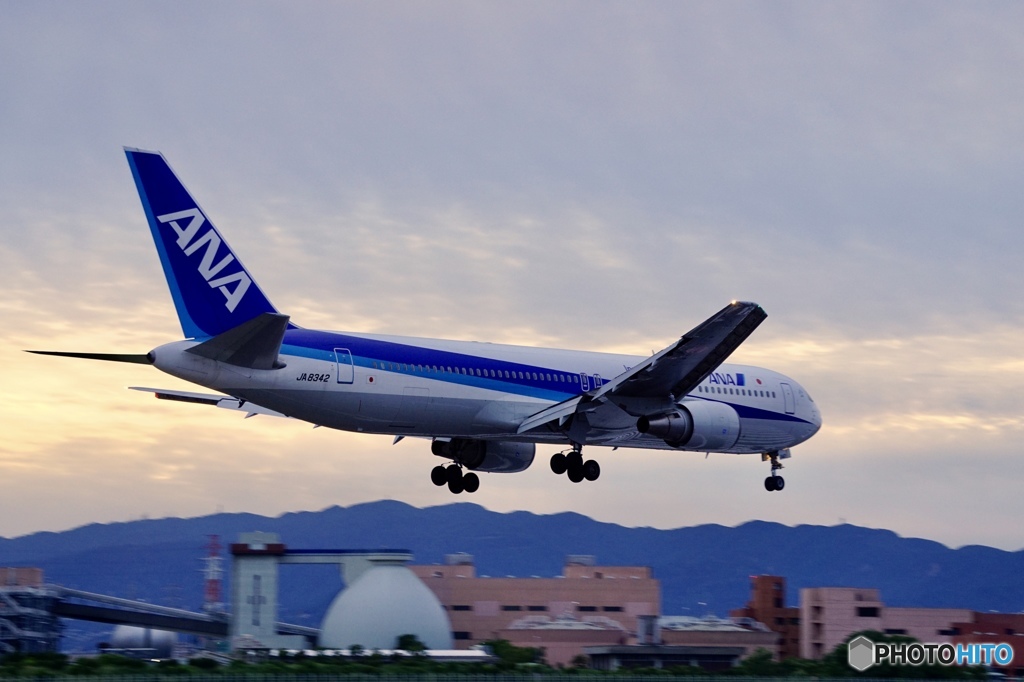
256	561
711	633
384	603
27	620
564	638
768	605
995	628
482	608
828	615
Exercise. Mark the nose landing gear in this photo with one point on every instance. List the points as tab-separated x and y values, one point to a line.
571	463
773	482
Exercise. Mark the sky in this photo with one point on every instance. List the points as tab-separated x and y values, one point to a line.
591	175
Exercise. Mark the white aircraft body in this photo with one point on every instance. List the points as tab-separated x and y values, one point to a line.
484	406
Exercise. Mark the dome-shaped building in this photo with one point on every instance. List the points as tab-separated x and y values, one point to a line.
382	604
131	637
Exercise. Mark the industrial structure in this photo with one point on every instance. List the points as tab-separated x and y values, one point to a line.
27	619
256	561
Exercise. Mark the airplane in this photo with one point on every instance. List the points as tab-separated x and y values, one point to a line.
484	407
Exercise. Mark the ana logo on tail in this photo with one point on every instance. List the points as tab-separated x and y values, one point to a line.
188	243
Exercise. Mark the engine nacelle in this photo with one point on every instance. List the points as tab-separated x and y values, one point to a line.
696	425
502	457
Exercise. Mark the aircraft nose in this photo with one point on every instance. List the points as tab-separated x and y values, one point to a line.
815	418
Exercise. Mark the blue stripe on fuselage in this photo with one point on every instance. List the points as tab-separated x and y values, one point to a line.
320	346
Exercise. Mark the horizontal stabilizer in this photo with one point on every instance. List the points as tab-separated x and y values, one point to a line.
254	344
109	357
217	400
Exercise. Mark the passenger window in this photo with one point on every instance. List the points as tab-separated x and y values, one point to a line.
547	377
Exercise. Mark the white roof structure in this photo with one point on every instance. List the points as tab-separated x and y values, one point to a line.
384	603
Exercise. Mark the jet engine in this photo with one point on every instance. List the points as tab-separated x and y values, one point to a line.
503	457
696	425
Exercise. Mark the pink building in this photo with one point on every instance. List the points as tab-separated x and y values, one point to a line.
829	614
609	598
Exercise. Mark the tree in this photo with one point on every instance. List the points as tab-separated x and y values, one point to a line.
511	654
410	643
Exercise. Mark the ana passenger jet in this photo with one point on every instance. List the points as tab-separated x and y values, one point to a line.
483	406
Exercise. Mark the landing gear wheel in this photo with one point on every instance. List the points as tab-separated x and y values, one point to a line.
780	482
438	475
575	473
471	482
559	463
591	470
574	460
769	484
453	472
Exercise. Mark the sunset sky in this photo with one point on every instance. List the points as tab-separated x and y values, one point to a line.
592	175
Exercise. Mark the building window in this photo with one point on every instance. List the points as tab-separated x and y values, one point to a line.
867	612
461	607
511	608
461	634
588	609
613	609
536	608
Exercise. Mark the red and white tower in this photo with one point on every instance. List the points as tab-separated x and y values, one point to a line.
213	574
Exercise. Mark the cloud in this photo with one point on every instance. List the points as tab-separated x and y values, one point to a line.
584	175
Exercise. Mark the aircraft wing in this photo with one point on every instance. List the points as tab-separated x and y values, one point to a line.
664	377
216	399
678	369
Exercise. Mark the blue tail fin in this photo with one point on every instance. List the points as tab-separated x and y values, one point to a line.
211	289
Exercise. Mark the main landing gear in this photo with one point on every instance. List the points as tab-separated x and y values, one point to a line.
773	482
571	463
453	477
